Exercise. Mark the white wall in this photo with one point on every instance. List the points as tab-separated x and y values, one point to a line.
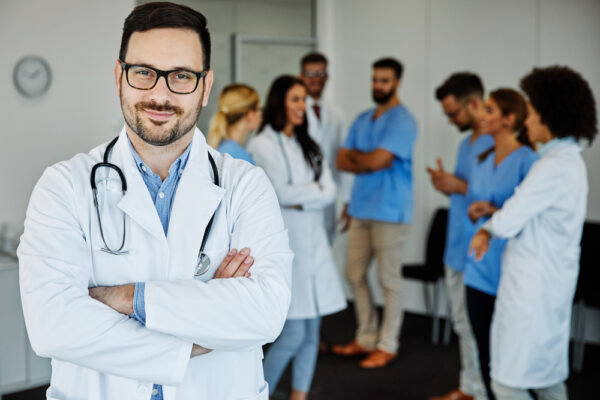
277	18
80	40
500	40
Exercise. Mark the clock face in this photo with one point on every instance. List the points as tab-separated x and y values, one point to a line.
32	76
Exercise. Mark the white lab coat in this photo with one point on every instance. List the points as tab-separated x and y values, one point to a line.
316	286
330	133
544	220
99	354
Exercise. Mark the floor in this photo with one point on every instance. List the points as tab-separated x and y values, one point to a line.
421	370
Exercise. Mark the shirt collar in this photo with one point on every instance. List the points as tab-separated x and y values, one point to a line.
175	169
545	148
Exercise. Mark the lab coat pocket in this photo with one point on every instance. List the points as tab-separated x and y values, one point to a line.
262	395
215	256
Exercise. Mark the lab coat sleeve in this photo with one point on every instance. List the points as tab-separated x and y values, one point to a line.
539	190
235	314
63	321
310	195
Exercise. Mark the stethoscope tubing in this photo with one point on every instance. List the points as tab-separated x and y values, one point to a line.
106	164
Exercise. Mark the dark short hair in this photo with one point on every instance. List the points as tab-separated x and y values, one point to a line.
461	85
392	63
166	15
564	101
313	57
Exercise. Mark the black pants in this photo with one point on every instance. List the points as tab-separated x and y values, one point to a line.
480	307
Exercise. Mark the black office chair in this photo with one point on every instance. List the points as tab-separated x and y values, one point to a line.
431	273
587	293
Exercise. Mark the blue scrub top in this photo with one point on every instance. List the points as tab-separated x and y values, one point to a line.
234	149
457	245
495	184
384	195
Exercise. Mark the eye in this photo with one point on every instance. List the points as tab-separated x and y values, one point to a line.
182	75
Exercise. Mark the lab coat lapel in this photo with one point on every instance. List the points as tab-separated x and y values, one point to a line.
195	202
136	203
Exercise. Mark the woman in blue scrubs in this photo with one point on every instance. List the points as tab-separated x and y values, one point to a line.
499	171
239	114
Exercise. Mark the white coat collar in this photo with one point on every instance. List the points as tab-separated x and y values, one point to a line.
557	143
195	201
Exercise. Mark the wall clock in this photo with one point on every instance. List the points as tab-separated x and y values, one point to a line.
32	76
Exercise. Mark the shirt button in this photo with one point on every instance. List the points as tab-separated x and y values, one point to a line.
144	168
154	392
161	195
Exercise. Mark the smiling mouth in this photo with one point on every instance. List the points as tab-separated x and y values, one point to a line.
159	116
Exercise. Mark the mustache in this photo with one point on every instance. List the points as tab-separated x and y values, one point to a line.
158	107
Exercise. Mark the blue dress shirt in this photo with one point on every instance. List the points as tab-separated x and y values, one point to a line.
387	194
162	194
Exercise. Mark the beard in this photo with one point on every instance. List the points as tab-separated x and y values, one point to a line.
464	127
183	125
381	97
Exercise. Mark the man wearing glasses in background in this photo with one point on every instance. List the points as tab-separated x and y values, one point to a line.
326	127
154	323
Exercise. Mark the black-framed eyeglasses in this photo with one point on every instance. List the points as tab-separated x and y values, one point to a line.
179	81
315	74
454	114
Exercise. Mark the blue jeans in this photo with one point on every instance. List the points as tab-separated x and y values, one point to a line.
299	340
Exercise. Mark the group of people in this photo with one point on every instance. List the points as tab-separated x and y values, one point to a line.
515	224
156	266
302	146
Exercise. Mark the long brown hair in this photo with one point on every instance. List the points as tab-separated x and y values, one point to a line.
509	102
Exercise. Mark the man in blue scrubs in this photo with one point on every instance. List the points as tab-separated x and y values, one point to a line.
379	151
461	98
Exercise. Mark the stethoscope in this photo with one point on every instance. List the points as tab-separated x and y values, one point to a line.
203	260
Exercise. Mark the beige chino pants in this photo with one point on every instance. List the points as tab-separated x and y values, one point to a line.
384	240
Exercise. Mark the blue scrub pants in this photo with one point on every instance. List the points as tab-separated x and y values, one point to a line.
299	340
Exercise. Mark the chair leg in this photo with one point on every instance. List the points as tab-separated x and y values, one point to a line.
579	342
448	325
436	318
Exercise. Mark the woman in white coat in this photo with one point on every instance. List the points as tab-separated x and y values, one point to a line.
304	187
543	221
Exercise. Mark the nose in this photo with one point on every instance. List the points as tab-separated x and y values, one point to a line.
160	92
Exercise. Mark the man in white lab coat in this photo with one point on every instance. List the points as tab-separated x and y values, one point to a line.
120	260
326	127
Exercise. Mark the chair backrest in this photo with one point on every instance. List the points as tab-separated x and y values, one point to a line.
436	240
589	265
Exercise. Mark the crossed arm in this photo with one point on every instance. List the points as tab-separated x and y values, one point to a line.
66	324
359	162
121	298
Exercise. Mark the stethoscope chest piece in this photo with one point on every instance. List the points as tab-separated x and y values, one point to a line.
203	264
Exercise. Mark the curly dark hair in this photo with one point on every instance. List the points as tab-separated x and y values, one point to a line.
564	100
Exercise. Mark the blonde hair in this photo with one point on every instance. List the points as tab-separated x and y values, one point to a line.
234	103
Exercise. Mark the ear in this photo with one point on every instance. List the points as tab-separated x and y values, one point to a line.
118	74
208	82
509	120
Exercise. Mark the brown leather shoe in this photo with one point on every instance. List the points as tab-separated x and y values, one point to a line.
377	359
456	394
350	349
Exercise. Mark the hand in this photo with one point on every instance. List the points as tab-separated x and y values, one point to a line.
345	218
446	182
480	209
198	350
235	264
119	298
480	244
